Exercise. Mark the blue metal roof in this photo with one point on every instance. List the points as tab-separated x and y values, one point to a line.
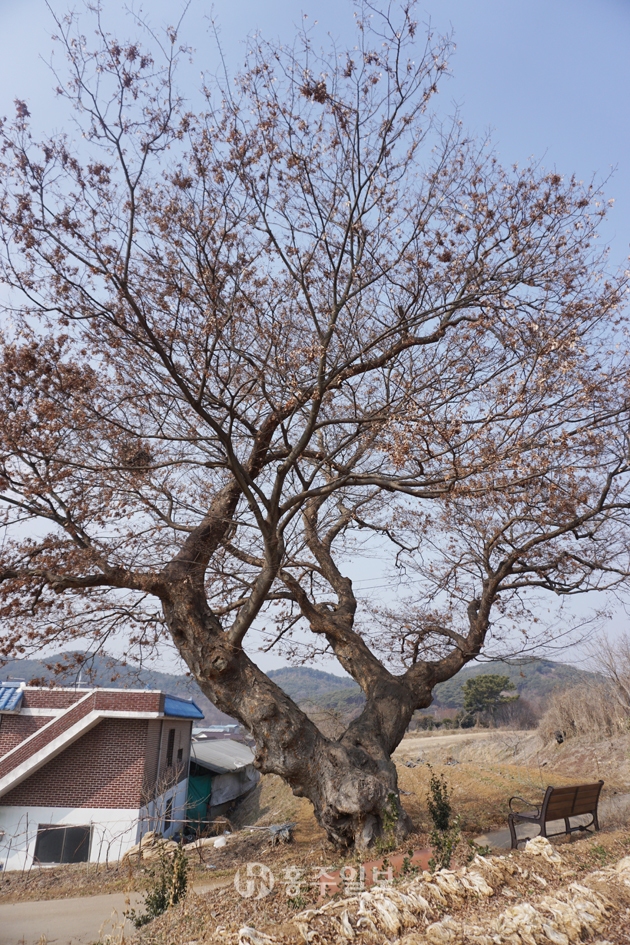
10	698
181	708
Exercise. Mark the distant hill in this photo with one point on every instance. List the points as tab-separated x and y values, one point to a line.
534	679
310	685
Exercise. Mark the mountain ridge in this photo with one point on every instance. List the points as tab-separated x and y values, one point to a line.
535	680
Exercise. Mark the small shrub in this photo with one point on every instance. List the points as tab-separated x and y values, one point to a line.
439	801
425	723
446	832
297	902
599	852
408	868
168	884
475	849
390	817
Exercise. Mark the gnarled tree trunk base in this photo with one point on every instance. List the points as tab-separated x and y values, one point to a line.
356	807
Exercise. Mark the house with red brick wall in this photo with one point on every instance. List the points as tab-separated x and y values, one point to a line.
85	773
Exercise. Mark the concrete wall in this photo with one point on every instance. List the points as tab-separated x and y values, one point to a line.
114	830
183	731
151	817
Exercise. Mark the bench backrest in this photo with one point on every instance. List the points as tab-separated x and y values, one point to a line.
571	801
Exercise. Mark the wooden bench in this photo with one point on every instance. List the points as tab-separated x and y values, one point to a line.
558	804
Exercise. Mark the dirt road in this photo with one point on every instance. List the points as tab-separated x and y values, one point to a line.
414	745
65	921
79	921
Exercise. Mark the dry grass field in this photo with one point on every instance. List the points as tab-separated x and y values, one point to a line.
486	768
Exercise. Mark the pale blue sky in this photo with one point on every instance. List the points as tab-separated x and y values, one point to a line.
549	78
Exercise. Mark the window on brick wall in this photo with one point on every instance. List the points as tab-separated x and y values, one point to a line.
170	745
168	814
180	755
62	844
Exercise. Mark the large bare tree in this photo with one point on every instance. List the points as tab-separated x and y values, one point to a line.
240	340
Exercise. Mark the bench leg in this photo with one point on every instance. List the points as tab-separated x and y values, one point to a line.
567	825
513	836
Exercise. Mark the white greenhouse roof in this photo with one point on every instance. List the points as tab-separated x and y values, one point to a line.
221	755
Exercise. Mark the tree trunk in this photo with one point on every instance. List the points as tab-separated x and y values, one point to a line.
353	787
355	797
355	805
351	782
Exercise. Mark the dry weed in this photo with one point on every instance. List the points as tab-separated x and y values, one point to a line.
589	709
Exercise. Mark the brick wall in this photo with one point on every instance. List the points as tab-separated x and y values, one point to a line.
15	728
41	739
50	698
103	768
128	701
119	699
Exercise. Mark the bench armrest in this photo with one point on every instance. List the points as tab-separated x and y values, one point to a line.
528	804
